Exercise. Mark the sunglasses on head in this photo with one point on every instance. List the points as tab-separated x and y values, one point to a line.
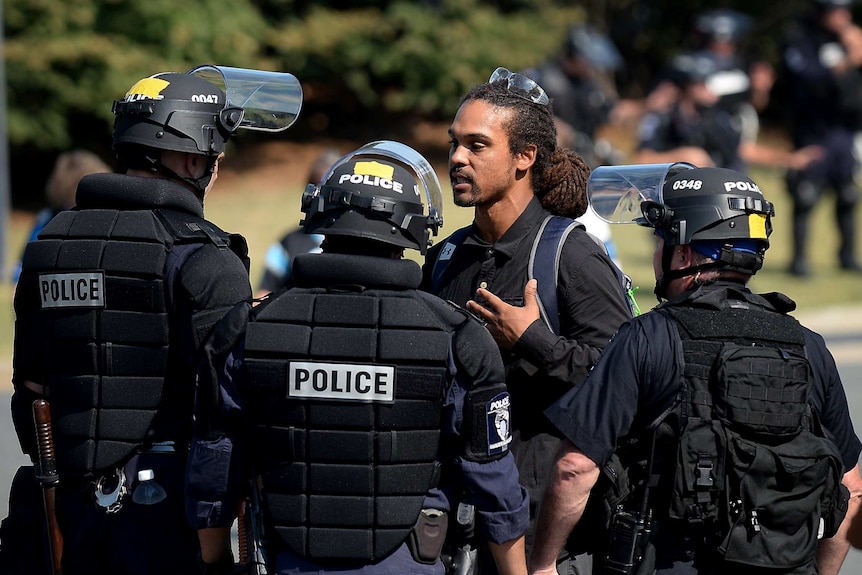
524	86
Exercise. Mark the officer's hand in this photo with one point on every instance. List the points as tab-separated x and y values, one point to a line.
804	157
507	323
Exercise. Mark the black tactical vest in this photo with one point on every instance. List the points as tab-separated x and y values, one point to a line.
753	478
93	294
345	391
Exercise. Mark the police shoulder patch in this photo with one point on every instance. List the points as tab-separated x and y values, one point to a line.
498	419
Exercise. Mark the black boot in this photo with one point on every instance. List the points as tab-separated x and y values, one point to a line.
845	214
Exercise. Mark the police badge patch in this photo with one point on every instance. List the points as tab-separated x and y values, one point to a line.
498	419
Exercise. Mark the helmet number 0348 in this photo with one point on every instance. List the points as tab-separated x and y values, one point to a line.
688	184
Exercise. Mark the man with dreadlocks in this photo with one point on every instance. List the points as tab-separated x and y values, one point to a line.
504	163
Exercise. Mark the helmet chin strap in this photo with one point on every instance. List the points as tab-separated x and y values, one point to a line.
199	184
668	275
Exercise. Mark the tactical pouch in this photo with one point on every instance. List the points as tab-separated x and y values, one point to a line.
777	497
428	535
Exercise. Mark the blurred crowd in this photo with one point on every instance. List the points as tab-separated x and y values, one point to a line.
705	105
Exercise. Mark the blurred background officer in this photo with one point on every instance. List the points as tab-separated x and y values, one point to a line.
361	406
696	129
279	256
504	163
580	83
110	306
60	188
821	60
712	227
735	78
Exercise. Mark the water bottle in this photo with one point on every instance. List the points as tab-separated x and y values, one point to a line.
148	491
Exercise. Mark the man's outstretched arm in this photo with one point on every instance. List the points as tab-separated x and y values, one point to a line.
563	503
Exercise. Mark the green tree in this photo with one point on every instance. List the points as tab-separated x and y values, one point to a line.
66	60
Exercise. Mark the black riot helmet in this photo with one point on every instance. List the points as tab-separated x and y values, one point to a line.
385	191
689	68
721	213
710	204
178	112
594	46
723	25
197	112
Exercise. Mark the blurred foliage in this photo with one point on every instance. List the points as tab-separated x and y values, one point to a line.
368	67
66	60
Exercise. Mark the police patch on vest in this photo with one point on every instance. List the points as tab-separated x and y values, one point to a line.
499	430
74	289
341	381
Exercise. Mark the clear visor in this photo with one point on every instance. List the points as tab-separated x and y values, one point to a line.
616	192
271	101
413	161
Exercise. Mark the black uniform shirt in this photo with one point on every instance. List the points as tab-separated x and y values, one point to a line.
590	300
638	378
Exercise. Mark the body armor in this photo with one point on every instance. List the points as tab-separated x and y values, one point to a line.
92	321
345	391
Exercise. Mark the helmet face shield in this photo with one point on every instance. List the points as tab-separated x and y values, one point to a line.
270	101
617	192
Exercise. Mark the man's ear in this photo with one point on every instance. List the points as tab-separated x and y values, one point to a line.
525	159
686	256
193	164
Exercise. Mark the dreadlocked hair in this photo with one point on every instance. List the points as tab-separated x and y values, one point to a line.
559	176
563	190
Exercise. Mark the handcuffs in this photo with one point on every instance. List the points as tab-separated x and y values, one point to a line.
111	499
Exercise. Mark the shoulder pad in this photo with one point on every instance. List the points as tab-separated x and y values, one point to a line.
455	314
186	227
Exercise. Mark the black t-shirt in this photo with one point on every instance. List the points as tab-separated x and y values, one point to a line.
638	378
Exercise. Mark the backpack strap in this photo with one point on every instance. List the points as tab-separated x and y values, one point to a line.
544	265
444	256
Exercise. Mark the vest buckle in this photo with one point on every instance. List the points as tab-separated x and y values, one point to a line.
704	473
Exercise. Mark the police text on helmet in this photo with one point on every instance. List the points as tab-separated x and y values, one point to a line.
341	381
742	186
375	181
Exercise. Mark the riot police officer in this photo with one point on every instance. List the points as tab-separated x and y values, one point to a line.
821	61
358	406
579	80
701	129
730	434
113	299
736	78
280	254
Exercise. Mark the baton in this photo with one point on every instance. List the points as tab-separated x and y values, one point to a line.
243	528
47	475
